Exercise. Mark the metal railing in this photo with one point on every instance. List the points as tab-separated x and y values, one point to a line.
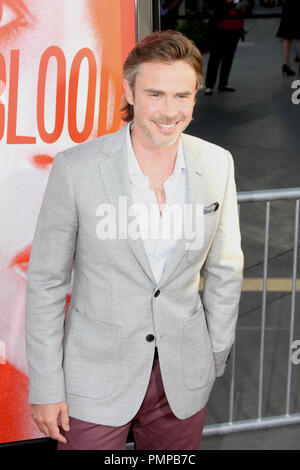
288	418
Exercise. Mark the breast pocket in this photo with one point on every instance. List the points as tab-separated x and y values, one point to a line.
91	356
197	355
194	252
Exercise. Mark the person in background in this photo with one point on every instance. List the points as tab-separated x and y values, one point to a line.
289	30
169	13
226	29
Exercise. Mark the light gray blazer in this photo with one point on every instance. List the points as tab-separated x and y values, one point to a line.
98	359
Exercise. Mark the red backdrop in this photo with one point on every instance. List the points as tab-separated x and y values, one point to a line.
60	84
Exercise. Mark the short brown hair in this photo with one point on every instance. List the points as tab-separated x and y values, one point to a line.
161	46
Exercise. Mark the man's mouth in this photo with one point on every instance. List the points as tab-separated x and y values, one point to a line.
166	127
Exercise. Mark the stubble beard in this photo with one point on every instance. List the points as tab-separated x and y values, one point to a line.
168	143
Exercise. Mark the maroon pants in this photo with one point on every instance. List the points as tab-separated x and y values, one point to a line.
154	427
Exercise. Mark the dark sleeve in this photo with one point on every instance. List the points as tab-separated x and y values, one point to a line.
220	10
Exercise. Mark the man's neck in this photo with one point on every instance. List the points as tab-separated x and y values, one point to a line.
156	161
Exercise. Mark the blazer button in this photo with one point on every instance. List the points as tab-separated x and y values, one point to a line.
149	338
156	294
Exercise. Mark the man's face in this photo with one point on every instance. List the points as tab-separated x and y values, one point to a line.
163	100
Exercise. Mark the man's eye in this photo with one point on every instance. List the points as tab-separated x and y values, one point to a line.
8	14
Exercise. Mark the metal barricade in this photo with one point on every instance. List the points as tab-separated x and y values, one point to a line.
288	418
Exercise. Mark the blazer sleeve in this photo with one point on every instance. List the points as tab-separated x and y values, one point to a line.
223	276
48	280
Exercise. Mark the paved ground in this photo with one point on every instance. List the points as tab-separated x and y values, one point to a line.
260	125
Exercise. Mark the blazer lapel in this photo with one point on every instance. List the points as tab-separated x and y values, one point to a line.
114	173
195	189
195	195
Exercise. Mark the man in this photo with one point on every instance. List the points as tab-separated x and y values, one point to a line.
226	29
139	348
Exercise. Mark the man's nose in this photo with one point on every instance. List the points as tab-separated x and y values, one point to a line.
170	108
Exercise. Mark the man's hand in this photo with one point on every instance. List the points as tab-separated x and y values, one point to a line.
46	419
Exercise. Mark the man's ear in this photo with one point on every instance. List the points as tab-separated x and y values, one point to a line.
128	92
